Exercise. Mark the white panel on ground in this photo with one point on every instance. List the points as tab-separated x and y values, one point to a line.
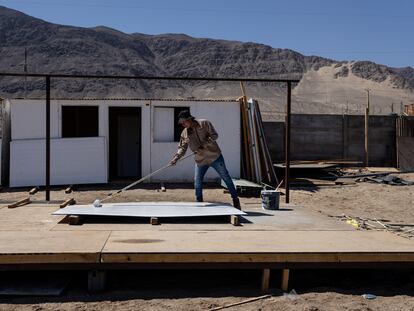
152	209
163	124
73	161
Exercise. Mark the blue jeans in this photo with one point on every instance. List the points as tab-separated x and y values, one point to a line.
221	169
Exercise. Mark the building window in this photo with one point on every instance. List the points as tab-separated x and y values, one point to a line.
80	121
166	127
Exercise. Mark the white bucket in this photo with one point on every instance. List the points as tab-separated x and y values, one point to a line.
270	199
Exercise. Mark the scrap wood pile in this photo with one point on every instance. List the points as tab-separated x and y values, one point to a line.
257	164
401	229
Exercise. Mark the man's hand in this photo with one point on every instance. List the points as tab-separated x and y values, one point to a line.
174	161
199	149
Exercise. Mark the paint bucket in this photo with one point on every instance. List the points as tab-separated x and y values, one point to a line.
270	199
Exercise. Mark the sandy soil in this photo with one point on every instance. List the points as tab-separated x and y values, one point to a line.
172	290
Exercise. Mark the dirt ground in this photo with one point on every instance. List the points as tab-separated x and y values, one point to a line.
203	290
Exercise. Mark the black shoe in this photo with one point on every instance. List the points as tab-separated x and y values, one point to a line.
199	200
236	203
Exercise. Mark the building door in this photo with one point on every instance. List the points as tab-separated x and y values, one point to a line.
124	142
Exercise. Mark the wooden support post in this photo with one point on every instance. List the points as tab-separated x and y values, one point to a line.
154	221
75	220
285	280
33	190
19	203
235	220
70	201
265	280
96	280
69	189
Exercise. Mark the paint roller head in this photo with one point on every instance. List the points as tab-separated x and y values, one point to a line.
97	203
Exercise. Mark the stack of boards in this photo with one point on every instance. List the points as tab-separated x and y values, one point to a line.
257	164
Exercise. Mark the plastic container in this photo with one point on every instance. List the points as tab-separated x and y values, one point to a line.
270	199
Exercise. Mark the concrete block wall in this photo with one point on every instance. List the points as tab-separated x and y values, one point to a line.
320	137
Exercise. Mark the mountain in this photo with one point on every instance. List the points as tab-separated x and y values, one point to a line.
326	86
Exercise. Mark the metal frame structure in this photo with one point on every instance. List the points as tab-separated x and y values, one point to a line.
48	80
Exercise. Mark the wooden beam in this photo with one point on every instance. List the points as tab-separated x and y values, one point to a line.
33	190
155	221
69	189
74	220
70	201
235	220
265	280
21	202
285	280
96	280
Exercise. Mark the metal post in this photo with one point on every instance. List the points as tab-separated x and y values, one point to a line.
287	138
47	183
366	140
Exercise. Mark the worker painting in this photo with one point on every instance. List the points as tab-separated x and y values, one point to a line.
200	136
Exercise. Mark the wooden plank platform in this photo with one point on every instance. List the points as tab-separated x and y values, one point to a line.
46	247
31	235
256	246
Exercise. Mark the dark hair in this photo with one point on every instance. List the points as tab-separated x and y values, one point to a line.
185	114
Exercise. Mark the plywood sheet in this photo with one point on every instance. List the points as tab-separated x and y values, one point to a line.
18	247
152	209
257	246
29	217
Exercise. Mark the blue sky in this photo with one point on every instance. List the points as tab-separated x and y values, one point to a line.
380	31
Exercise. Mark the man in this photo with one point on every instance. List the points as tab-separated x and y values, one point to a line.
201	137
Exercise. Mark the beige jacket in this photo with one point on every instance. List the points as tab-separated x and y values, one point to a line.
201	139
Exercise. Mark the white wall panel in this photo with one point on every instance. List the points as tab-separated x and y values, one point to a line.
28	119
163	124
225	117
28	123
73	161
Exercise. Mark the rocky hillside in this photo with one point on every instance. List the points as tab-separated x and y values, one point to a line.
101	50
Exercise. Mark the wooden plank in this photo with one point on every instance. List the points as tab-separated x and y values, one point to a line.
235	220
275	258
23	247
257	246
285	280
74	220
154	221
70	201
34	190
69	189
21	202
33	217
265	280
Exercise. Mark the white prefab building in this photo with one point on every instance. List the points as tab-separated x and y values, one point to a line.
95	141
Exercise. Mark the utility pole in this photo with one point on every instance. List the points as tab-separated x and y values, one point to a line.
367	129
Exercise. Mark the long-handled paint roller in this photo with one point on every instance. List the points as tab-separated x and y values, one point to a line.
98	203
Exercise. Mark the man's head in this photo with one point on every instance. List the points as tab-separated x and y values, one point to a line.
185	118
